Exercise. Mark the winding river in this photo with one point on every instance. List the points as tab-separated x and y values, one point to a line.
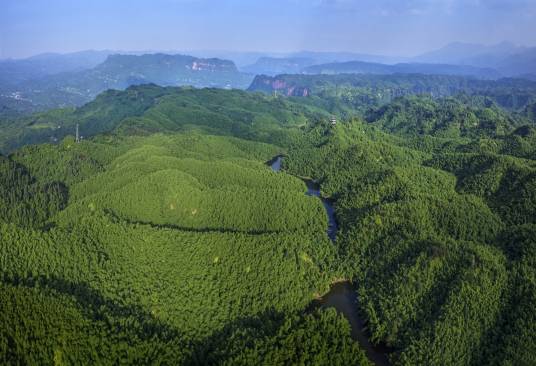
342	295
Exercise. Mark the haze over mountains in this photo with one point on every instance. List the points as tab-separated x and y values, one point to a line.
247	208
56	80
506	59
359	67
268	182
273	64
74	87
13	71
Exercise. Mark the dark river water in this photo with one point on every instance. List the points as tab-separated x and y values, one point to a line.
342	295
313	189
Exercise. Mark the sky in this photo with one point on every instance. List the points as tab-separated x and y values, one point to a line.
386	27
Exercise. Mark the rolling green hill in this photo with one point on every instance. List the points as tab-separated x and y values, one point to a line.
432	239
164	238
346	92
173	239
149	108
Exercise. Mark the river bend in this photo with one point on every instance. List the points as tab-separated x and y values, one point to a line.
342	295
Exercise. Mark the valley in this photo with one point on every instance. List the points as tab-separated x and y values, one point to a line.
341	295
323	218
268	183
163	237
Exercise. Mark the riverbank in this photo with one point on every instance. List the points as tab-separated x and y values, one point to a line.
342	295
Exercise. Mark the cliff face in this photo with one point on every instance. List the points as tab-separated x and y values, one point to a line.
118	63
214	65
278	84
121	71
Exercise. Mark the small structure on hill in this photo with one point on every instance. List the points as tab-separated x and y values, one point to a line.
333	121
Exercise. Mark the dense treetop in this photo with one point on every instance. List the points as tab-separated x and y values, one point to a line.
164	238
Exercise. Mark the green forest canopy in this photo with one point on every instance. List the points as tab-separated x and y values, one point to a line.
166	238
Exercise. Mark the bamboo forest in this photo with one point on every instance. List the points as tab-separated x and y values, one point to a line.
165	237
272	183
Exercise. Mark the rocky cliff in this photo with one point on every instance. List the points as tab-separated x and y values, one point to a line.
279	85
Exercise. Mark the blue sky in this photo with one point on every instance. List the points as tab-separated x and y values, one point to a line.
390	27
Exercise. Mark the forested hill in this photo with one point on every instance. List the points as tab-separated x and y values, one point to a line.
162	68
446	117
439	234
164	238
149	108
181	249
367	90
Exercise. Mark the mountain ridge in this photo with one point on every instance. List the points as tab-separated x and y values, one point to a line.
121	71
360	67
506	57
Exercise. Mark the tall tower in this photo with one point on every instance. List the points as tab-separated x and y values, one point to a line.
77	134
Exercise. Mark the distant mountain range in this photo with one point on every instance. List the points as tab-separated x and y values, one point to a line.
501	60
469	53
256	61
16	71
279	65
507	58
121	71
53	80
359	67
296	62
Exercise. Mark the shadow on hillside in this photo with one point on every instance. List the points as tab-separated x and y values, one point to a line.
93	305
235	337
134	322
115	218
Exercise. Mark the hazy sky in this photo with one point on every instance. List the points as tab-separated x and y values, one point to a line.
392	27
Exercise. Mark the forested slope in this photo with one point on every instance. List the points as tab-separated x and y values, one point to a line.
349	93
150	108
168	240
437	239
167	245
